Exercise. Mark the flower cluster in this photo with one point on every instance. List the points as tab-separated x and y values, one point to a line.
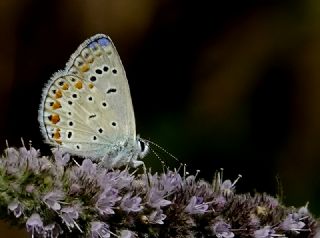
55	197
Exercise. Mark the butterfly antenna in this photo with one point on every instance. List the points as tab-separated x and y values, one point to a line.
161	148
157	155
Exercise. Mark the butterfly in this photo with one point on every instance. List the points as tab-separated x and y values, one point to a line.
86	109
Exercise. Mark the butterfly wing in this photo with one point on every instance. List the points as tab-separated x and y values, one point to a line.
87	108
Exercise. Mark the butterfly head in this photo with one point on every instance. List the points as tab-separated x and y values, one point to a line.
143	147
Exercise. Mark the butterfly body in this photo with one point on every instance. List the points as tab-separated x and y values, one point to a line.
86	109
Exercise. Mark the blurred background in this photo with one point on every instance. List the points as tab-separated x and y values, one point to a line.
219	84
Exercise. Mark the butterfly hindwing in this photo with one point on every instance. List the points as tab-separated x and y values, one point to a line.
87	108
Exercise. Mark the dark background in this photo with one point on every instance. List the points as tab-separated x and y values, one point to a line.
219	84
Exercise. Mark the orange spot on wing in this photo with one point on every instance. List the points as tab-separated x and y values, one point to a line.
78	85
58	94
84	68
91	85
54	118
56	105
65	86
57	134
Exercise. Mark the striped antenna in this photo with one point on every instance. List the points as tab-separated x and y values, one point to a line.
161	148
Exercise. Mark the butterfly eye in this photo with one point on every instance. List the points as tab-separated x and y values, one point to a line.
142	145
144	148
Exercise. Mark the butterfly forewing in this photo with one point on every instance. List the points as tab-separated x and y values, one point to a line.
87	108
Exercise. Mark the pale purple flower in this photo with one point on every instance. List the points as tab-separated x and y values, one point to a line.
16	208
74	188
157	217
222	230
45	164
12	154
88	167
292	223
107	200
117	179
34	224
254	221
227	188
219	202
105	203
69	215
304	211
52	230
127	234
268	201
33	152
171	181
265	232
30	188
60	158
29	156
52	199
155	198
83	179
85	174
14	163
190	180
196	206
131	204
23	153
99	230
